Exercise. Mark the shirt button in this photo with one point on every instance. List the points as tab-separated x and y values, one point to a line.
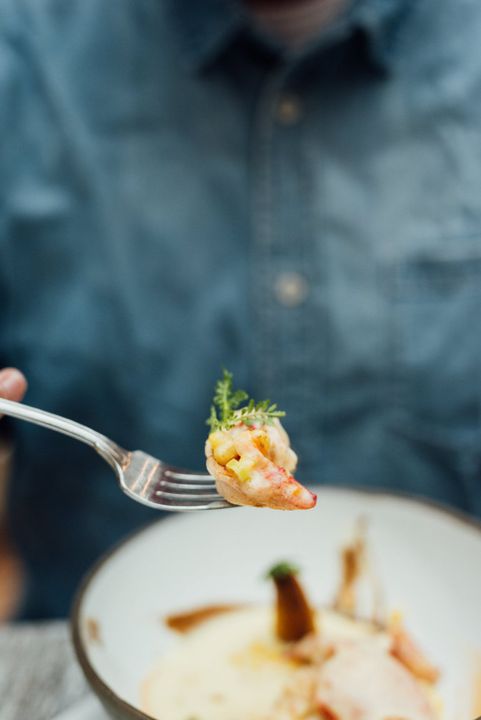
289	110
291	289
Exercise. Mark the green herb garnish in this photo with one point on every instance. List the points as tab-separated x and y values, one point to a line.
226	412
282	570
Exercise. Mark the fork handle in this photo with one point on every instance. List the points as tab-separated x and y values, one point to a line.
110	451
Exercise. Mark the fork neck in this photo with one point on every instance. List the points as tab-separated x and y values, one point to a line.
107	449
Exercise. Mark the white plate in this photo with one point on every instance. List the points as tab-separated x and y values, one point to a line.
429	562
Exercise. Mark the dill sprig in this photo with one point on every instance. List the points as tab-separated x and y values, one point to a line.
226	412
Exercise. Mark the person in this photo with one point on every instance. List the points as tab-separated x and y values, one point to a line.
286	189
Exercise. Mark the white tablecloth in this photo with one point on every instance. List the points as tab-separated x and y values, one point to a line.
39	677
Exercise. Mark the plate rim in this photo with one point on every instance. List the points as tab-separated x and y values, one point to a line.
123	708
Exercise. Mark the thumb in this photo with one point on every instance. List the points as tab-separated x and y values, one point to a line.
12	384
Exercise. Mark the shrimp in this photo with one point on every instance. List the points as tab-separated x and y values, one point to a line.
252	465
407	652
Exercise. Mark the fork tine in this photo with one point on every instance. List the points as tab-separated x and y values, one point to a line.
150	482
188	497
184	487
179	476
188	485
219	504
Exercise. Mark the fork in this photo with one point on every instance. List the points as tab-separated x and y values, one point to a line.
142	477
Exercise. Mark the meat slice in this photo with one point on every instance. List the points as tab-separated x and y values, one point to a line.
363	682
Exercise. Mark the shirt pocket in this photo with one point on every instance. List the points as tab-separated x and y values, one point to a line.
44	260
436	343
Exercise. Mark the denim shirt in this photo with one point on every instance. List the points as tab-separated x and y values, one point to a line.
178	194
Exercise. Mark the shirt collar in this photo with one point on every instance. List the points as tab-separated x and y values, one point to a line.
206	28
382	21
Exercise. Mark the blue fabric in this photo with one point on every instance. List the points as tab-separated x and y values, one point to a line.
166	172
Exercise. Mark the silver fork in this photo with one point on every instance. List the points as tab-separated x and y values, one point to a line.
141	476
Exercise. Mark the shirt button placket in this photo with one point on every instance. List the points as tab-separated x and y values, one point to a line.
282	324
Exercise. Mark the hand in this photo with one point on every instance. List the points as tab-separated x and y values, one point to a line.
12	384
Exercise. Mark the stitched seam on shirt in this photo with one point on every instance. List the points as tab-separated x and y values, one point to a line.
315	322
263	230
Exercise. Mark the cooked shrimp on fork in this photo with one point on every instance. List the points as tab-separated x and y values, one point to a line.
248	453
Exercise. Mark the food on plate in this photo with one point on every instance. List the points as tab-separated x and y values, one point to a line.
353	568
293	661
294	615
248	452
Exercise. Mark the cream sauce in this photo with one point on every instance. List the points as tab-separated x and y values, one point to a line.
231	667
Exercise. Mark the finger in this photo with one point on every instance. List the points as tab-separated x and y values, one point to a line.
13	384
